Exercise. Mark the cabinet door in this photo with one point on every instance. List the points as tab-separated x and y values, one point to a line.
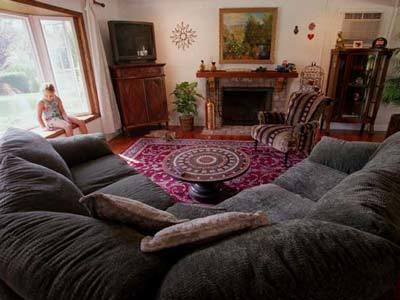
132	100
156	99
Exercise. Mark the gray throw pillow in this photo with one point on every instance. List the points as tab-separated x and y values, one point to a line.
142	216
33	148
25	186
203	230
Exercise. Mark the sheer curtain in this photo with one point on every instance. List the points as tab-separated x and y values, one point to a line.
110	118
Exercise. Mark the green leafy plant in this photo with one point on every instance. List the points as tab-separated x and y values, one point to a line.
391	93
185	98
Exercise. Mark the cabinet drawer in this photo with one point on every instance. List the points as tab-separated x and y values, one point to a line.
139	72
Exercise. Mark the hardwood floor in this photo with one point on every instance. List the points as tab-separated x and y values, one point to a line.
121	143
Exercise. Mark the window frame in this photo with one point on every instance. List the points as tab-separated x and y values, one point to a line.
47	10
43	48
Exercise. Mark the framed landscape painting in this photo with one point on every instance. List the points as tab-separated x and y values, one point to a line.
247	35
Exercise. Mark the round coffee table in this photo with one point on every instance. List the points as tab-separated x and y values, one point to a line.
206	167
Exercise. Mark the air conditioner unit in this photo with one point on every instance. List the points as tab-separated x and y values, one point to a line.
361	26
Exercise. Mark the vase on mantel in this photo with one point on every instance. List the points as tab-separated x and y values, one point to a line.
210	115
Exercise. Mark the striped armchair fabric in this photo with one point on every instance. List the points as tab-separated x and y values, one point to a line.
294	130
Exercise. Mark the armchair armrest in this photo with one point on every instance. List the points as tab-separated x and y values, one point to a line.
81	148
347	157
268	117
298	259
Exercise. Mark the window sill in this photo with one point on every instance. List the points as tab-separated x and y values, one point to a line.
47	134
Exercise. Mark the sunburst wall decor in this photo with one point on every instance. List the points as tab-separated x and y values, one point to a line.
183	36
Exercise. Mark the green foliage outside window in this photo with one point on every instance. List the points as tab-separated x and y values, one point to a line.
391	93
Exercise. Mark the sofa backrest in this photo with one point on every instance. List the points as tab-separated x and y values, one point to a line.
368	199
33	148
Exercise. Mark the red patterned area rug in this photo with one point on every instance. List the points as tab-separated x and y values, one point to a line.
147	156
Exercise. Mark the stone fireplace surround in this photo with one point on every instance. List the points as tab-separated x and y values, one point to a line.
279	95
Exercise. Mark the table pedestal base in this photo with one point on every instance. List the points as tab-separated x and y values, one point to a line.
205	191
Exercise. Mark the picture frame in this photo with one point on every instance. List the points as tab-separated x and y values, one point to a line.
358	44
247	35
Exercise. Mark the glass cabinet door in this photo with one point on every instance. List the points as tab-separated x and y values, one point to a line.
360	75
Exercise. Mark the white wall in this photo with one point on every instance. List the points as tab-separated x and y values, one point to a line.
203	16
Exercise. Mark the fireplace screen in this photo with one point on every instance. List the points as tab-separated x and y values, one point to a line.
240	106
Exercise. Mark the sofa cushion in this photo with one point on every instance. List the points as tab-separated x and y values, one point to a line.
33	148
50	256
309	179
8	294
344	156
387	156
366	200
78	149
140	188
25	186
194	211
294	260
98	173
278	203
369	199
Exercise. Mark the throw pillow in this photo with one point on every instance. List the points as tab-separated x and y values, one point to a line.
25	186
203	230
128	211
33	148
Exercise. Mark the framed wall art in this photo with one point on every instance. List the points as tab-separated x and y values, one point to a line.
247	35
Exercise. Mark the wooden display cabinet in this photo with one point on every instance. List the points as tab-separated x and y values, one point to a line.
141	94
356	81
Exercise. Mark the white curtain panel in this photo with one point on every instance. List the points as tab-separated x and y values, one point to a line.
110	118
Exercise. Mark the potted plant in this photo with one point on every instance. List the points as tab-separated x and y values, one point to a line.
185	103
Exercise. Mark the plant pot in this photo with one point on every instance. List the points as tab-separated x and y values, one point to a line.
186	123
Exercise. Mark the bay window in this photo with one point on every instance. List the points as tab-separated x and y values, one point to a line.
34	50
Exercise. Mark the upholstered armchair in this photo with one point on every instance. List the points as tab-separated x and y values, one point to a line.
294	130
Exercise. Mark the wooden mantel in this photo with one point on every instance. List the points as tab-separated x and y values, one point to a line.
245	74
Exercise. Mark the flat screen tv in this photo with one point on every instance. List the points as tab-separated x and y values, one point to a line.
132	42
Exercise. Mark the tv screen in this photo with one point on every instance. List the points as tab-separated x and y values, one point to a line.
132	42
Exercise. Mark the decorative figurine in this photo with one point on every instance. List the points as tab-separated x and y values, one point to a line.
202	66
312	26
261	69
286	67
296	29
340	40
213	66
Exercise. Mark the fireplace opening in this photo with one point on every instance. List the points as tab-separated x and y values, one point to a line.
240	106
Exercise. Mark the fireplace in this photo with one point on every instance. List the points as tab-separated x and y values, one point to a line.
240	105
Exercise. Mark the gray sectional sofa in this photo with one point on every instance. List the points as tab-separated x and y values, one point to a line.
335	232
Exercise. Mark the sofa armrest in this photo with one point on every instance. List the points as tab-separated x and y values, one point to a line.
61	256
347	157
297	260
81	148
